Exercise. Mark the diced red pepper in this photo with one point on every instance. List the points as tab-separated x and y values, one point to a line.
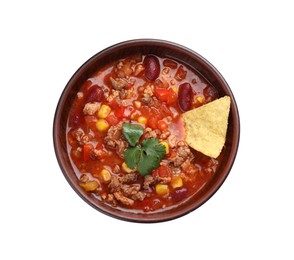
86	151
112	119
161	93
166	95
119	112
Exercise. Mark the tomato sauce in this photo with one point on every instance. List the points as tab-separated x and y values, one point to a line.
146	91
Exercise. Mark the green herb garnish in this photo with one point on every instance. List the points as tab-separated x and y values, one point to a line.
132	133
147	156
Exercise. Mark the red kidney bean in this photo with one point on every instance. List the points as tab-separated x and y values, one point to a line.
152	67
75	120
185	96
95	94
210	93
179	194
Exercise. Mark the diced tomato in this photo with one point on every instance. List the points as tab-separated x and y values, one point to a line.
91	121
119	112
153	118
172	97
170	63
145	110
166	95
112	119
154	112
146	204
113	104
124	112
164	171
128	111
162	125
180	74
152	122
86	151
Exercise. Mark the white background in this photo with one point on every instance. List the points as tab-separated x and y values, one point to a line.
44	42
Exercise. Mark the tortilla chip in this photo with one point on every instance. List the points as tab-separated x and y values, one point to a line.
206	126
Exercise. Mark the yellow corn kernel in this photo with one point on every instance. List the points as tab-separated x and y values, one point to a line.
137	104
162	189
177	182
105	176
102	125
199	99
104	111
166	146
142	120
90	185
126	168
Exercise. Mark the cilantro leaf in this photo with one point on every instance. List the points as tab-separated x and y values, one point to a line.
132	156
152	147
146	157
132	133
147	163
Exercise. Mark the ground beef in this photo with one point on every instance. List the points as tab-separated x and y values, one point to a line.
81	137
148	181
121	146
91	108
172	141
151	180
139	196
130	177
149	133
114	95
114	184
148	90
182	154
124	190
123	199
165	134
129	190
146	99
114	140
118	83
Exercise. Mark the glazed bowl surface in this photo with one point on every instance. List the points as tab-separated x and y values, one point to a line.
163	49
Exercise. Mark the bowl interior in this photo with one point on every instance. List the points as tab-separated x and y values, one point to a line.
162	49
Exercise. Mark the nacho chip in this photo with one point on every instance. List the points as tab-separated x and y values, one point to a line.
206	126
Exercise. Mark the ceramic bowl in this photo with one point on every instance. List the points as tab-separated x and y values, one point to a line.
163	49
